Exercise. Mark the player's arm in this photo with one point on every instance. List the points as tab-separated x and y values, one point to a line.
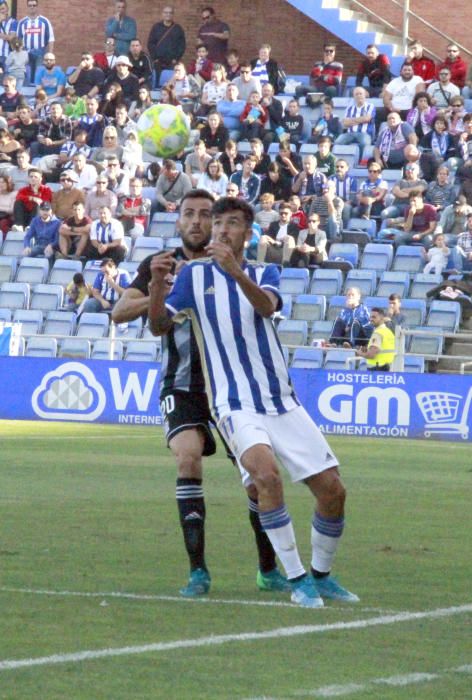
132	304
161	267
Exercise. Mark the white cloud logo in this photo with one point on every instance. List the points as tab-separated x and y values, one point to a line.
70	392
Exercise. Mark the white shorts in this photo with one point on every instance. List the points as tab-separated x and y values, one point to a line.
293	437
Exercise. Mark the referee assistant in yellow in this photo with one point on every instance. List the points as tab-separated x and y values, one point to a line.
380	351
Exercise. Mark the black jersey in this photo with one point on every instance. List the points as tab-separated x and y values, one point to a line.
180	368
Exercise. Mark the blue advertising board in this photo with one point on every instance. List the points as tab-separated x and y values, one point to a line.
374	404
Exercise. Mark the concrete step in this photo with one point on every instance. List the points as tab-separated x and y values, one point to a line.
457	347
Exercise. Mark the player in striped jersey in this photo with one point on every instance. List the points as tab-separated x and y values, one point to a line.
37	34
230	304
184	406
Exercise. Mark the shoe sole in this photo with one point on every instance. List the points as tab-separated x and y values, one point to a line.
308	602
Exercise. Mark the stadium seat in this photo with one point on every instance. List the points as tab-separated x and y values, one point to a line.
391	176
350	153
129	330
93	325
444	314
308	149
393	282
31	321
8	265
365	280
101	349
320	330
47	297
377	256
15	295
292	332
335	304
414	311
163	224
130	267
137	351
309	307
78	348
174	242
307	358
40	346
165	76
63	271
413	363
344	251
369	226
59	323
294	280
380	302
244	147
336	359
5	315
409	258
13	243
360	238
286	310
91	270
326	281
426	344
32	270
422	284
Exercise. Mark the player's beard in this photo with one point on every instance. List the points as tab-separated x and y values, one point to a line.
197	246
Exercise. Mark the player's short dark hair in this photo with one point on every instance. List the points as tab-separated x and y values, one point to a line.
394	297
378	310
225	204
197	194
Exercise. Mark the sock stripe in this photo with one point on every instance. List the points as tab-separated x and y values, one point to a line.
253	505
331	527
188	491
272	519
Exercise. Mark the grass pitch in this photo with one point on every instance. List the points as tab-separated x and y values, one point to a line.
88	514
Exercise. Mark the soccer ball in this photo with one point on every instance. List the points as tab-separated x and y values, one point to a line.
163	130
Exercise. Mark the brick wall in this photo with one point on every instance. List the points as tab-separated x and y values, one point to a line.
295	40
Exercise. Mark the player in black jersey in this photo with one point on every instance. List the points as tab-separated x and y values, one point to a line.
184	407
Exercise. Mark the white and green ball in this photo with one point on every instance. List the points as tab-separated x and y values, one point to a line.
163	130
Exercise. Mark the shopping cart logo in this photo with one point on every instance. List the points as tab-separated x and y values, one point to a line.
445	413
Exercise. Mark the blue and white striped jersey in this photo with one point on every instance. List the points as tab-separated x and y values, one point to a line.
36	33
353	112
242	359
6	27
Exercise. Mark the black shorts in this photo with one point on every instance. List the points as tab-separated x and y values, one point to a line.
183	410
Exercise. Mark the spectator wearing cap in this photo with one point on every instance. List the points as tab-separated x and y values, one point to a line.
107	237
42	237
74	233
99	197
109	285
128	82
64	199
51	77
121	27
29	198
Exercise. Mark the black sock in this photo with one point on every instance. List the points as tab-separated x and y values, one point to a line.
191	505
265	551
319	574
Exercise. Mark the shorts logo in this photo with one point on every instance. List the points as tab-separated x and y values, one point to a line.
69	392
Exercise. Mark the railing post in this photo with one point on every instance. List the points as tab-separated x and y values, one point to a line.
406	22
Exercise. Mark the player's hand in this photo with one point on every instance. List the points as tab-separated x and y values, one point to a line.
223	255
162	266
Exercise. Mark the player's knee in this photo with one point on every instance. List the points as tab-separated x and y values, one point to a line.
332	499
268	480
189	465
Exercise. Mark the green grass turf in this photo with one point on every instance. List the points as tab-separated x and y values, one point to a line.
91	509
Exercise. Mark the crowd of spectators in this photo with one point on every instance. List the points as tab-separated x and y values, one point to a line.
80	130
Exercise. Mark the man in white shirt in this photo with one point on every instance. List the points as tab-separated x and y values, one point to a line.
86	173
246	82
442	90
399	94
107	237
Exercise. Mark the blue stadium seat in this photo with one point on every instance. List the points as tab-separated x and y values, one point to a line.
380	302
41	346
350	153
15	295
307	358
308	149
93	325
91	270
336	359
5	315
77	348
59	323
294	280
13	243
63	271
130	330
320	330
292	332
335	304
426	344
344	251
365	280
445	314
173	242
101	349
415	312
414	363
422	284
369	226
360	238
309	307
408	258
286	310
31	320
377	256
163	224
137	351
47	297
144	246
8	265
393	282
326	281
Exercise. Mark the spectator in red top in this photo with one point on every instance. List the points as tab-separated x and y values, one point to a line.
106	60
202	66
325	76
28	200
253	118
456	65
421	64
376	68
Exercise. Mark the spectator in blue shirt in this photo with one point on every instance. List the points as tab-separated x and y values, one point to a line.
42	236
109	285
352	327
121	28
248	183
51	77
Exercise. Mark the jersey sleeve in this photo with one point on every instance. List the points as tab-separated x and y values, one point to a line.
181	298
270	281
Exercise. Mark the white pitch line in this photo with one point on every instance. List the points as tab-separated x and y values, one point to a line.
12	438
179	599
217	640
